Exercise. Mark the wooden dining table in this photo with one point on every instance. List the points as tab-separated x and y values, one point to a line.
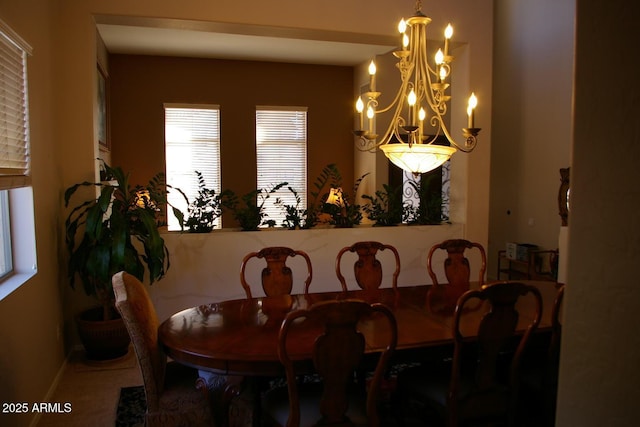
239	337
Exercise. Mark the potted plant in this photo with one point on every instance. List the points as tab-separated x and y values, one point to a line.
205	209
429	209
295	217
248	210
116	231
319	195
343	211
385	208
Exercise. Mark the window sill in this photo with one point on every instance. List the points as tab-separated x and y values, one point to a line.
13	282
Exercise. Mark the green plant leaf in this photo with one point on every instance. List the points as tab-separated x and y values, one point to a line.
99	233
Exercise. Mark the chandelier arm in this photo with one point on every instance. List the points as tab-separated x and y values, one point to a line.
370	145
434	102
395	100
437	122
440	99
417	71
470	141
436	97
426	86
392	128
399	95
431	101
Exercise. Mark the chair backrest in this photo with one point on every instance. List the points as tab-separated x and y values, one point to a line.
140	318
551	376
491	379
556	323
338	350
277	277
456	265
367	268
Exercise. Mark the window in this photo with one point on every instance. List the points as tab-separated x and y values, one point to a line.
437	183
17	256
425	197
6	260
281	151
14	135
192	143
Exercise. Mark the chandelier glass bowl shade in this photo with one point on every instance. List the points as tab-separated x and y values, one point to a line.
418	110
417	158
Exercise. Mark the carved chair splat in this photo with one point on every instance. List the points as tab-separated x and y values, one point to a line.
276	277
338	352
456	265
368	268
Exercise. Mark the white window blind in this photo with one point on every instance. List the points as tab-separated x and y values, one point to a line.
14	115
192	143
281	151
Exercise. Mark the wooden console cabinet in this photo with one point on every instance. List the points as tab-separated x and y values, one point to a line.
540	265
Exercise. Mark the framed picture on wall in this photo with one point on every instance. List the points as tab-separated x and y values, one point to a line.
103	109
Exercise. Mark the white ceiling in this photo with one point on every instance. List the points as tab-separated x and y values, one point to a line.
230	41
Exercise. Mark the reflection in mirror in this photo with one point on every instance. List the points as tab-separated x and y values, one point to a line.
563	196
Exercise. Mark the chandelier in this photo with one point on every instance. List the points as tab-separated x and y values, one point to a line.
421	102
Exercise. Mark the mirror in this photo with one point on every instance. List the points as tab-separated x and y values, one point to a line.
563	196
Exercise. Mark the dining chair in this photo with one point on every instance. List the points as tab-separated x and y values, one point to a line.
539	372
368	268
456	265
170	388
330	331
276	277
482	382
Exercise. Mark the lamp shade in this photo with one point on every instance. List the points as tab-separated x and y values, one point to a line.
417	158
335	197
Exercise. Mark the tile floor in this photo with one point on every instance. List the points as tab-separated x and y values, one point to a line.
93	389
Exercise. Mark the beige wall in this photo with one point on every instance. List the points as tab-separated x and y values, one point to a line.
31	340
600	354
533	71
141	84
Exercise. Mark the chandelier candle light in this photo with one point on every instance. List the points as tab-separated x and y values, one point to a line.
421	100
